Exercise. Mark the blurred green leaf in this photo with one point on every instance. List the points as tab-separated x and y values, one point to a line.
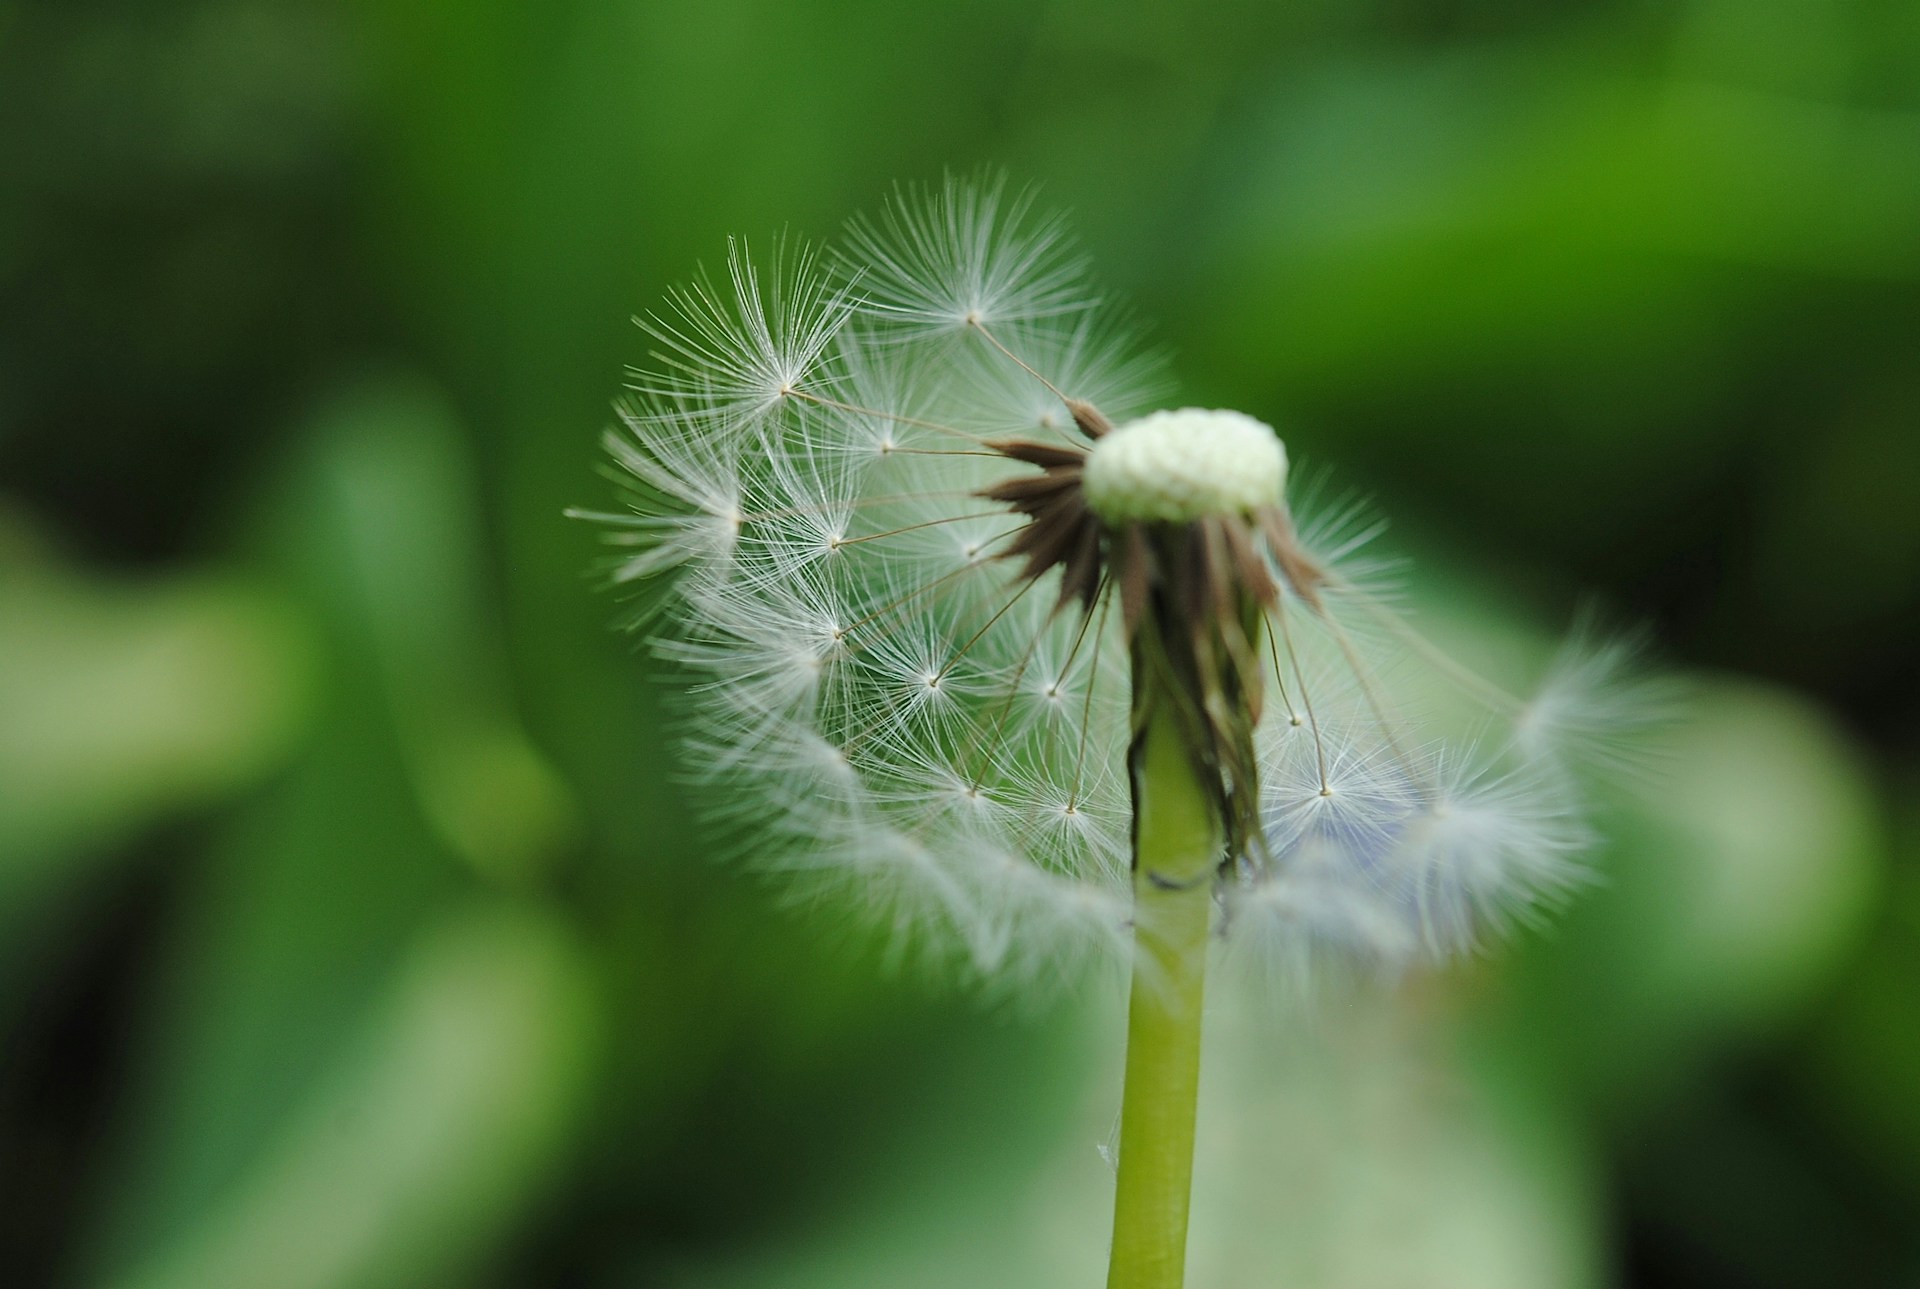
1357	1150
1861	1061
397	498
1540	260
124	701
422	1134
1737	883
418	785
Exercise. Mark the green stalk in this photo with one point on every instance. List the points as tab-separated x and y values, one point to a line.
1178	840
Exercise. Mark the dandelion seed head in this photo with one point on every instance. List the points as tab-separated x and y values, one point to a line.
915	525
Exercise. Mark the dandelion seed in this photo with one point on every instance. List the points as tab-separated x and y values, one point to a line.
964	256
1038	676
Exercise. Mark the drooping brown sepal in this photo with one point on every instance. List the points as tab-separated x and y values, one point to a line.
1060	530
1303	575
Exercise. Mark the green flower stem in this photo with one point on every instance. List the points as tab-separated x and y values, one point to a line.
1177	845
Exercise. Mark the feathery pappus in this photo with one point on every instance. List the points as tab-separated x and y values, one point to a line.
908	515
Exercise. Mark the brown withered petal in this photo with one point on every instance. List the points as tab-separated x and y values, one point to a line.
1249	569
1080	575
1302	574
1048	456
1032	488
1137	573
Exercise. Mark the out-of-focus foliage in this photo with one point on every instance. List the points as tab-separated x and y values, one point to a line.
354	929
124	702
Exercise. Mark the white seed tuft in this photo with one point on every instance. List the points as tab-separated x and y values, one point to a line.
886	706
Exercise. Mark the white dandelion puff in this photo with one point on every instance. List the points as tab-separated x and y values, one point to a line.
935	568
978	642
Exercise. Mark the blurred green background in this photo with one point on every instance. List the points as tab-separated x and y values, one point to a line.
353	929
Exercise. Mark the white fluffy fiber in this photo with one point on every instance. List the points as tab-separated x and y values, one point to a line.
881	707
